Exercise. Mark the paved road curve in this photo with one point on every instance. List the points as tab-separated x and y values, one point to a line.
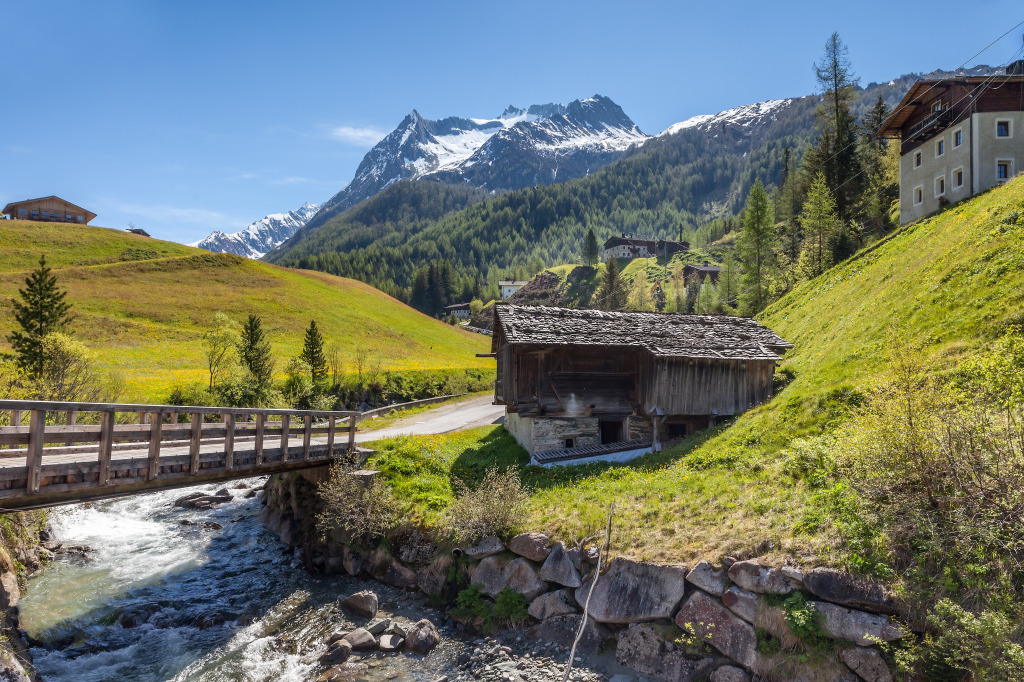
455	417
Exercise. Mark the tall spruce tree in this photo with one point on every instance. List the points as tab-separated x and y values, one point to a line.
42	310
728	288
313	354
882	186
254	352
591	252
834	153
819	223
756	249
612	294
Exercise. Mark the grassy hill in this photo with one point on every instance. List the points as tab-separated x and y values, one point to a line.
955	281
142	305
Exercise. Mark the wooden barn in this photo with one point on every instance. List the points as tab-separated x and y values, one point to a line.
49	209
580	383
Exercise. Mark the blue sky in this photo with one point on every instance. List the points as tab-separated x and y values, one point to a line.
183	116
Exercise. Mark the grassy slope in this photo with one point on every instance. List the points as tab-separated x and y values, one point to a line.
954	281
146	317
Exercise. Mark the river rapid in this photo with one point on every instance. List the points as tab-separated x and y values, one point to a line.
156	599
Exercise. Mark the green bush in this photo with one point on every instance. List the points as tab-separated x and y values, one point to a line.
510	608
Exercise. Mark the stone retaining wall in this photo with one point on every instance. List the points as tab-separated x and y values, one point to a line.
669	622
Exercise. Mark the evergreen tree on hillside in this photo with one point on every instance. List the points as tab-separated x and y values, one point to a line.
819	223
756	249
591	252
728	288
834	153
612	294
313	354
42	310
882	186
254	352
705	297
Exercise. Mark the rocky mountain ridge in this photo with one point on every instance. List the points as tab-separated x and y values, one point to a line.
262	236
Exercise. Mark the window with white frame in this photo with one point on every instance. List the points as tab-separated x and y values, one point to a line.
940	148
958	137
1004	128
940	186
917	160
1004	169
918	195
958	178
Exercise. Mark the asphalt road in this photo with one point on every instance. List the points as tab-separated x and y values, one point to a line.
445	419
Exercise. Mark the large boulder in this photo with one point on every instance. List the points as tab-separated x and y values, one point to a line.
632	591
730	673
752	576
840	587
707	578
710	621
433	579
867	663
391	643
363	603
421	637
361	640
417	548
856	626
497	572
337	652
353	561
533	545
562	630
559	568
643	650
741	602
557	603
487	546
10	593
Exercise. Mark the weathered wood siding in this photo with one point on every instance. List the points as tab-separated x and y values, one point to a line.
704	387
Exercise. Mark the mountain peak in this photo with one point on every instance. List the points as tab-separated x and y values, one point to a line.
511	111
260	237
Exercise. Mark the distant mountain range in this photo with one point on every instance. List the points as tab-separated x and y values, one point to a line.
261	237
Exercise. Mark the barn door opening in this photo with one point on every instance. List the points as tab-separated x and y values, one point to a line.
611	431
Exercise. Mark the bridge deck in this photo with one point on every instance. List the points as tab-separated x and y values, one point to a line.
87	461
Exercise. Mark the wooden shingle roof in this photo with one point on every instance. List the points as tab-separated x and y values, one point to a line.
671	335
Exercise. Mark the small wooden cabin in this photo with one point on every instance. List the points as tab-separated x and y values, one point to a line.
596	380
51	209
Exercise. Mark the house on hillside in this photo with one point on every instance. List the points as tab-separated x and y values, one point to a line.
509	287
590	383
702	271
51	209
459	310
958	136
639	247
138	230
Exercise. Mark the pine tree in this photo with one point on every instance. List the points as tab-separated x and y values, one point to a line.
705	297
254	352
728	287
819	222
612	294
313	354
834	153
591	252
883	183
41	311
756	249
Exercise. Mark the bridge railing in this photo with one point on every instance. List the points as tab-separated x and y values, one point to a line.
155	427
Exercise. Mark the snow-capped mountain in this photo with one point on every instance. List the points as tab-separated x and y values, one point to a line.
745	116
260	237
520	148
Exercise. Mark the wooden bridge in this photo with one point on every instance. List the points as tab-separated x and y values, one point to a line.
73	452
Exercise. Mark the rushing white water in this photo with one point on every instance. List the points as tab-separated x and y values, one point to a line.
159	600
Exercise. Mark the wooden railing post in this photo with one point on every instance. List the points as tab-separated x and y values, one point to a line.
351	433
16	418
106	445
331	425
284	438
259	439
156	424
72	418
307	426
193	449
229	441
36	439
